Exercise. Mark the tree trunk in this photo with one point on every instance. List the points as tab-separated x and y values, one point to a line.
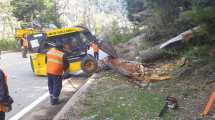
159	50
131	69
138	71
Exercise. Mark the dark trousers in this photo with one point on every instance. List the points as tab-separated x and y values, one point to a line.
54	85
24	52
2	115
96	55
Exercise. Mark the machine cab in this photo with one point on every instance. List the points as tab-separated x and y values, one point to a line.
77	55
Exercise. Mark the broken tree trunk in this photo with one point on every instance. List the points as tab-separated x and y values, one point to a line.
159	50
138	71
135	70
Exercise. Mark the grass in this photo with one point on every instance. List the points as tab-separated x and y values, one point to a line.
115	99
204	53
8	45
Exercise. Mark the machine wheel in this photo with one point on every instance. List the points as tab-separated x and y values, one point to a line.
89	64
31	61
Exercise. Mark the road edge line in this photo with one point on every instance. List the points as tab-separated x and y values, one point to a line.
27	109
64	110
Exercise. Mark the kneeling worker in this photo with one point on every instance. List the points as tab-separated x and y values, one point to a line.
56	64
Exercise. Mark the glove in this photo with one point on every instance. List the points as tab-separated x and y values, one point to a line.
8	108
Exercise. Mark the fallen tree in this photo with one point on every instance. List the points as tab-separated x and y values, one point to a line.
141	72
158	51
131	69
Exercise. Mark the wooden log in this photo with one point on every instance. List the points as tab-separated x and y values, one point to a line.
135	70
138	71
159	50
131	69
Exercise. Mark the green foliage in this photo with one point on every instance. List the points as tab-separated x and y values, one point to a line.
29	10
117	35
199	51
110	100
162	17
167	18
134	7
8	45
203	13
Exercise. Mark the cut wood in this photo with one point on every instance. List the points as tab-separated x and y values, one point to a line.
135	70
138	71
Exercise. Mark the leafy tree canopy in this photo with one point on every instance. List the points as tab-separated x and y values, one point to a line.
40	10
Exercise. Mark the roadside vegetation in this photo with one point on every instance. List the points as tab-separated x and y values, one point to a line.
112	97
6	45
166	19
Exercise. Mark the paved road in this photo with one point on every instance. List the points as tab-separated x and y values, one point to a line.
23	85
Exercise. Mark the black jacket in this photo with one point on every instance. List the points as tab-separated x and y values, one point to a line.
65	61
4	94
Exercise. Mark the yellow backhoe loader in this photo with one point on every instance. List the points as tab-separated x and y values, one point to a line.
79	37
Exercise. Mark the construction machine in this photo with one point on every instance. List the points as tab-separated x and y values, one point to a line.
79	59
26	29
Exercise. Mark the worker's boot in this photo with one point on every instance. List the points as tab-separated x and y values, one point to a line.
51	100
55	101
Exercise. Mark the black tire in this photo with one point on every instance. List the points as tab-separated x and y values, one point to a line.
32	67
89	64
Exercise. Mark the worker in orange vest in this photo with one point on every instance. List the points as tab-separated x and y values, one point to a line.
95	50
56	64
5	100
24	46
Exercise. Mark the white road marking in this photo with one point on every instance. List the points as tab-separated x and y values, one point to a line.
27	109
13	64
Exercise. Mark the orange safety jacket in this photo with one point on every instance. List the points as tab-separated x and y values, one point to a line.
24	43
2	107
95	47
55	62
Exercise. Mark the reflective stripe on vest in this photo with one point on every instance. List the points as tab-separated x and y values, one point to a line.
55	62
25	42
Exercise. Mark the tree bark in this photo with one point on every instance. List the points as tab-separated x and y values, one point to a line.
135	70
158	51
138	71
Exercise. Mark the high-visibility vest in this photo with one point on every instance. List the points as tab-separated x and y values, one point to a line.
95	47
55	62
25	42
2	107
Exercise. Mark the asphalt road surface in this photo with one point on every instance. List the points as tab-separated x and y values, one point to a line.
24	86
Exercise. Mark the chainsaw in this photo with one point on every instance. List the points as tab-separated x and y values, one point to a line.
171	103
